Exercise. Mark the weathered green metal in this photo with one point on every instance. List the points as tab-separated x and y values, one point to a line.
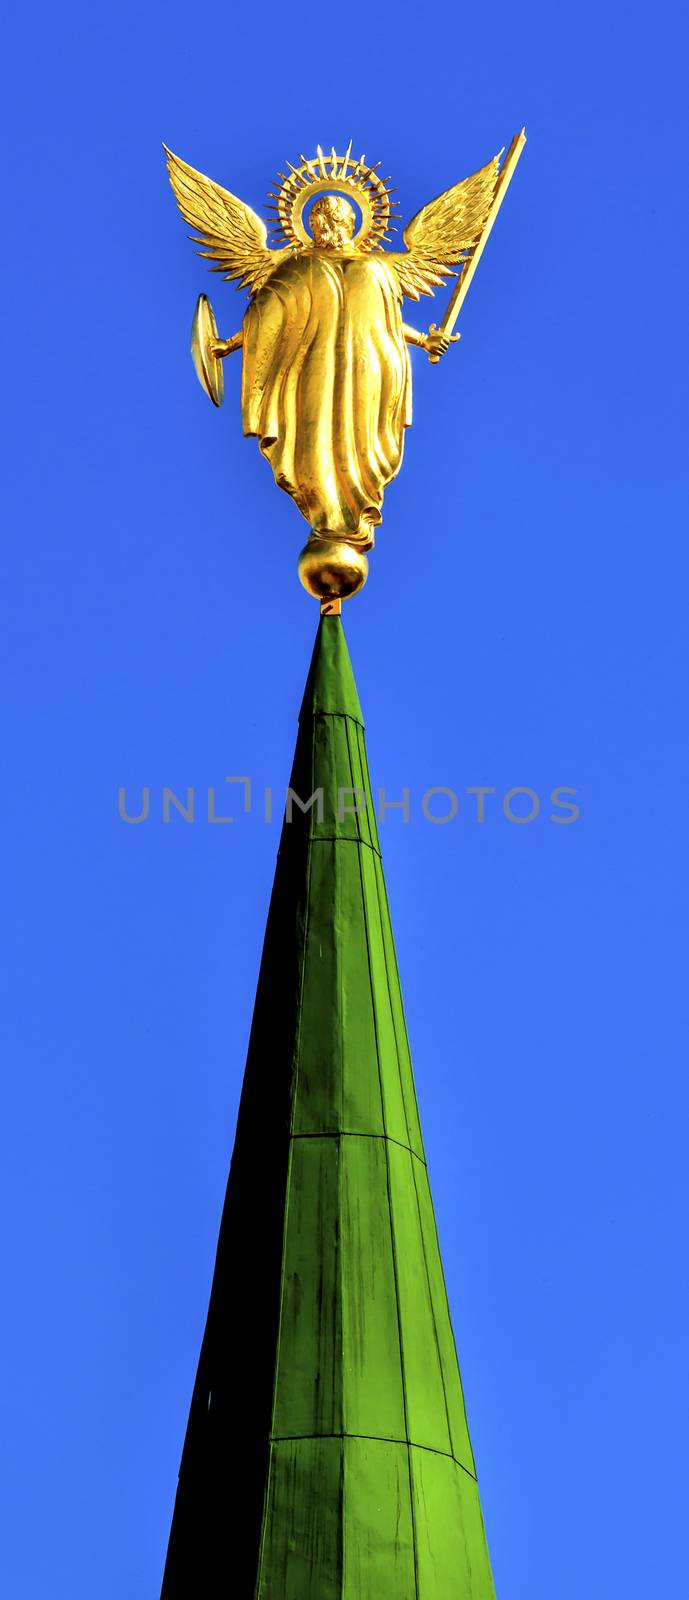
327	1455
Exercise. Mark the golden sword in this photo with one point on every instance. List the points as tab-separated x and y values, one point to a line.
461	288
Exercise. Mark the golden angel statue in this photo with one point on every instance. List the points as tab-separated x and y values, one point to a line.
326	375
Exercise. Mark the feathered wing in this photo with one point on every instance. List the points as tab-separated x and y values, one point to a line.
444	232
233	235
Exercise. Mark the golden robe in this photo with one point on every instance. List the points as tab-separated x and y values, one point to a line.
326	386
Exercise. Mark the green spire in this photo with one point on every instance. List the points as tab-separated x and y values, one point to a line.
327	1455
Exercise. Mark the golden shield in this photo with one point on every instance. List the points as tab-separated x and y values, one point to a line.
204	337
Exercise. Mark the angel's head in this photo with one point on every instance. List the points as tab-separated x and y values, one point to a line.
332	221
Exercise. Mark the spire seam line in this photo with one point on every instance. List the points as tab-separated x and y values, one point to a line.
377	1438
393	1240
335	838
285	1224
343	838
354	1133
348	715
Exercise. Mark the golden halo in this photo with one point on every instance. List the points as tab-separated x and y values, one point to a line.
332	174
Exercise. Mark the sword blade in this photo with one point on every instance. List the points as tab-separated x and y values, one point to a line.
461	288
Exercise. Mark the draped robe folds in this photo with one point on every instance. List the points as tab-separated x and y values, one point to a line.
326	386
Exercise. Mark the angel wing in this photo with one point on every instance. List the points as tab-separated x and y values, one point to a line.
444	232
234	236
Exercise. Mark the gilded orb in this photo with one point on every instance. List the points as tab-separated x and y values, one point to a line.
332	569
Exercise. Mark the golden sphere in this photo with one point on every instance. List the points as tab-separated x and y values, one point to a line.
332	569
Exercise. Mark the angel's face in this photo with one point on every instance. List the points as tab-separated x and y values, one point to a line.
332	222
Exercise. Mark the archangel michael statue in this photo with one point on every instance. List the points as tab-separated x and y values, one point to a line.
326	375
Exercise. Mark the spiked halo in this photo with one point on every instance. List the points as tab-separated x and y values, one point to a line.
332	174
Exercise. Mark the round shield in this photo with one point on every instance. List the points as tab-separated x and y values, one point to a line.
204	335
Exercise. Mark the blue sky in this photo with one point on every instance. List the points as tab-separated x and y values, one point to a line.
523	625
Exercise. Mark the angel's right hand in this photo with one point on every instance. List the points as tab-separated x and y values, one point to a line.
437	342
